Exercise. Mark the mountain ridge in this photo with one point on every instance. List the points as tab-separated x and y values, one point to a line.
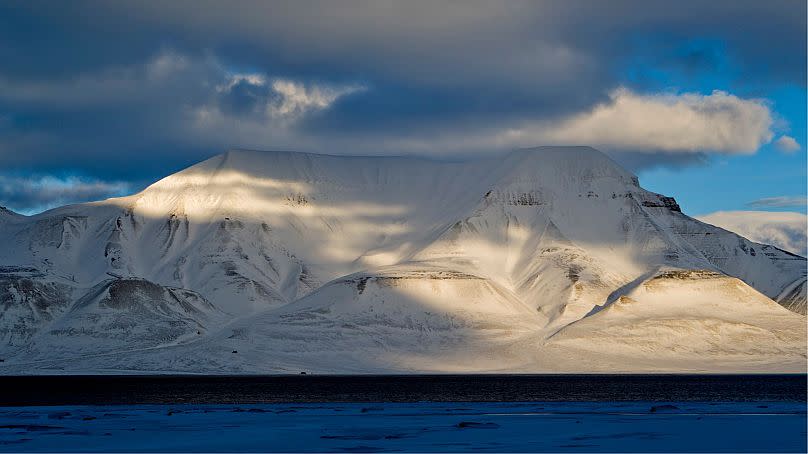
564	233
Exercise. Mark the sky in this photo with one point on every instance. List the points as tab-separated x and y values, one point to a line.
705	101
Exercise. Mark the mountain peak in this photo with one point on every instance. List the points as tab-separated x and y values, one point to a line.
552	163
581	154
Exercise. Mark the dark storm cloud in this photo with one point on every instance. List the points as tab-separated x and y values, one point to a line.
245	98
134	90
36	193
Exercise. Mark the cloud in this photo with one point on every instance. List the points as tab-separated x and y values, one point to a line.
132	83
277	97
29	194
186	79
628	123
786	230
297	98
686	122
430	40
163	113
787	144
798	201
259	111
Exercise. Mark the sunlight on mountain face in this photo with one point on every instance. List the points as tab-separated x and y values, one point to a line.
549	259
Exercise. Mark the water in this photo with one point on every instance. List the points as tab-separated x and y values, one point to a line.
426	413
60	390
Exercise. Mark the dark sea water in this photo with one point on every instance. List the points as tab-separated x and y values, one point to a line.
447	413
60	390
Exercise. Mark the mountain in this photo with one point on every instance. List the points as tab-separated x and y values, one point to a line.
548	259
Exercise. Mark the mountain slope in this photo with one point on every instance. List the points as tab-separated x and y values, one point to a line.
683	319
493	256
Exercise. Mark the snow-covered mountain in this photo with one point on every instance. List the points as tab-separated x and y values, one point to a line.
549	259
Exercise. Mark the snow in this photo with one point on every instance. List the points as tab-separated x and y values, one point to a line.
410	427
365	264
682	317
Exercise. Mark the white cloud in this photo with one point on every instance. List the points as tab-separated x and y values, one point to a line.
268	121
787	144
786	230
234	79
780	202
289	98
686	122
297	98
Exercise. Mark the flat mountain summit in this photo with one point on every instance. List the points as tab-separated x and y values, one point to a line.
551	259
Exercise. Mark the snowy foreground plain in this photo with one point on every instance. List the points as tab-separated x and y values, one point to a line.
549	259
413	427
